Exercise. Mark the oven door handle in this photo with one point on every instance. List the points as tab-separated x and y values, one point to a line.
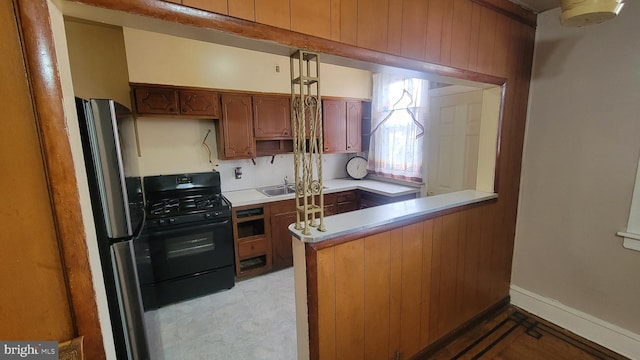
192	227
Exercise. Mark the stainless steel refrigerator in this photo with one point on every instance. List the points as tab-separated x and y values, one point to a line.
109	144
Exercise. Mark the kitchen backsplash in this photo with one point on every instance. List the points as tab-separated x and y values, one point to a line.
264	173
170	146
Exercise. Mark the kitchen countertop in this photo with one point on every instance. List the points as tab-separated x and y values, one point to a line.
360	220
253	196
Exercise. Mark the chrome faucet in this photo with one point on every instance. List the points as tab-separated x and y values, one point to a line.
286	181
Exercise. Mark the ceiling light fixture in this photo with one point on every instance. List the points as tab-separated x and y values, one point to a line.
587	12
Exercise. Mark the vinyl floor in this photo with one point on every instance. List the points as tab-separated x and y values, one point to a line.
255	320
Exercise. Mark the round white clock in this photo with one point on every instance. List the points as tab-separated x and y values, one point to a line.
357	167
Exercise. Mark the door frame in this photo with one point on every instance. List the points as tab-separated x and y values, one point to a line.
46	90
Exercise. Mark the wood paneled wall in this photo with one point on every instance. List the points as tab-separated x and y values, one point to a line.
400	290
466	34
48	293
34	303
482	40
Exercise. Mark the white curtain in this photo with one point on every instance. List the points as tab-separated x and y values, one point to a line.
398	117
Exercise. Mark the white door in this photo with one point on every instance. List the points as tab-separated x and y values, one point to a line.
453	141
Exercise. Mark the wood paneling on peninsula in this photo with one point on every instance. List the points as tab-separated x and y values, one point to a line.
392	294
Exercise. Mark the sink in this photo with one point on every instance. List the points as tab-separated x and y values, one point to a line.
276	190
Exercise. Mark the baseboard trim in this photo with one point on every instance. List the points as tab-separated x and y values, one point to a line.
613	337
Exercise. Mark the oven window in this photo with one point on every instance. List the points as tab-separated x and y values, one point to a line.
180	246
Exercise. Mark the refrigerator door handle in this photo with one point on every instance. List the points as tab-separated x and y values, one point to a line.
130	300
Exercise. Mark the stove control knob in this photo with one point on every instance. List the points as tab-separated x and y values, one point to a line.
161	222
172	220
207	215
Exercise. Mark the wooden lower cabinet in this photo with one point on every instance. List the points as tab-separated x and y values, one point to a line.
347	201
368	199
283	213
392	294
252	240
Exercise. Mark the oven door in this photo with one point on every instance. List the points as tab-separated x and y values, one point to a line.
189	249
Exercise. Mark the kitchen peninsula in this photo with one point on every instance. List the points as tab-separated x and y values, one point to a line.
261	236
396	278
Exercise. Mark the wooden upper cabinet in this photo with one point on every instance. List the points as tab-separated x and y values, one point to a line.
354	126
200	103
272	117
243	9
216	6
151	100
274	12
174	101
342	125
235	138
373	21
334	126
311	17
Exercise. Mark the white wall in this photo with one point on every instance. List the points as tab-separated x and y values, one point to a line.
97	58
580	158
165	59
175	145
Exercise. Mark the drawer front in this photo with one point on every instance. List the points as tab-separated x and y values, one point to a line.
347	206
346	196
251	248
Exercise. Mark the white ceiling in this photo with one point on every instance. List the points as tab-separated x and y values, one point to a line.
537	5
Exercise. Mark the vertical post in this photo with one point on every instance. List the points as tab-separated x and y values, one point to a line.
306	111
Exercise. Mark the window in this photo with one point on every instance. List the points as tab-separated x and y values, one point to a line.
398	112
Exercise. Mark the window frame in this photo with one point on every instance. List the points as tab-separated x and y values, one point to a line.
632	234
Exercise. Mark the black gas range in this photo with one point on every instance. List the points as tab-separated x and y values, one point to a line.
186	247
